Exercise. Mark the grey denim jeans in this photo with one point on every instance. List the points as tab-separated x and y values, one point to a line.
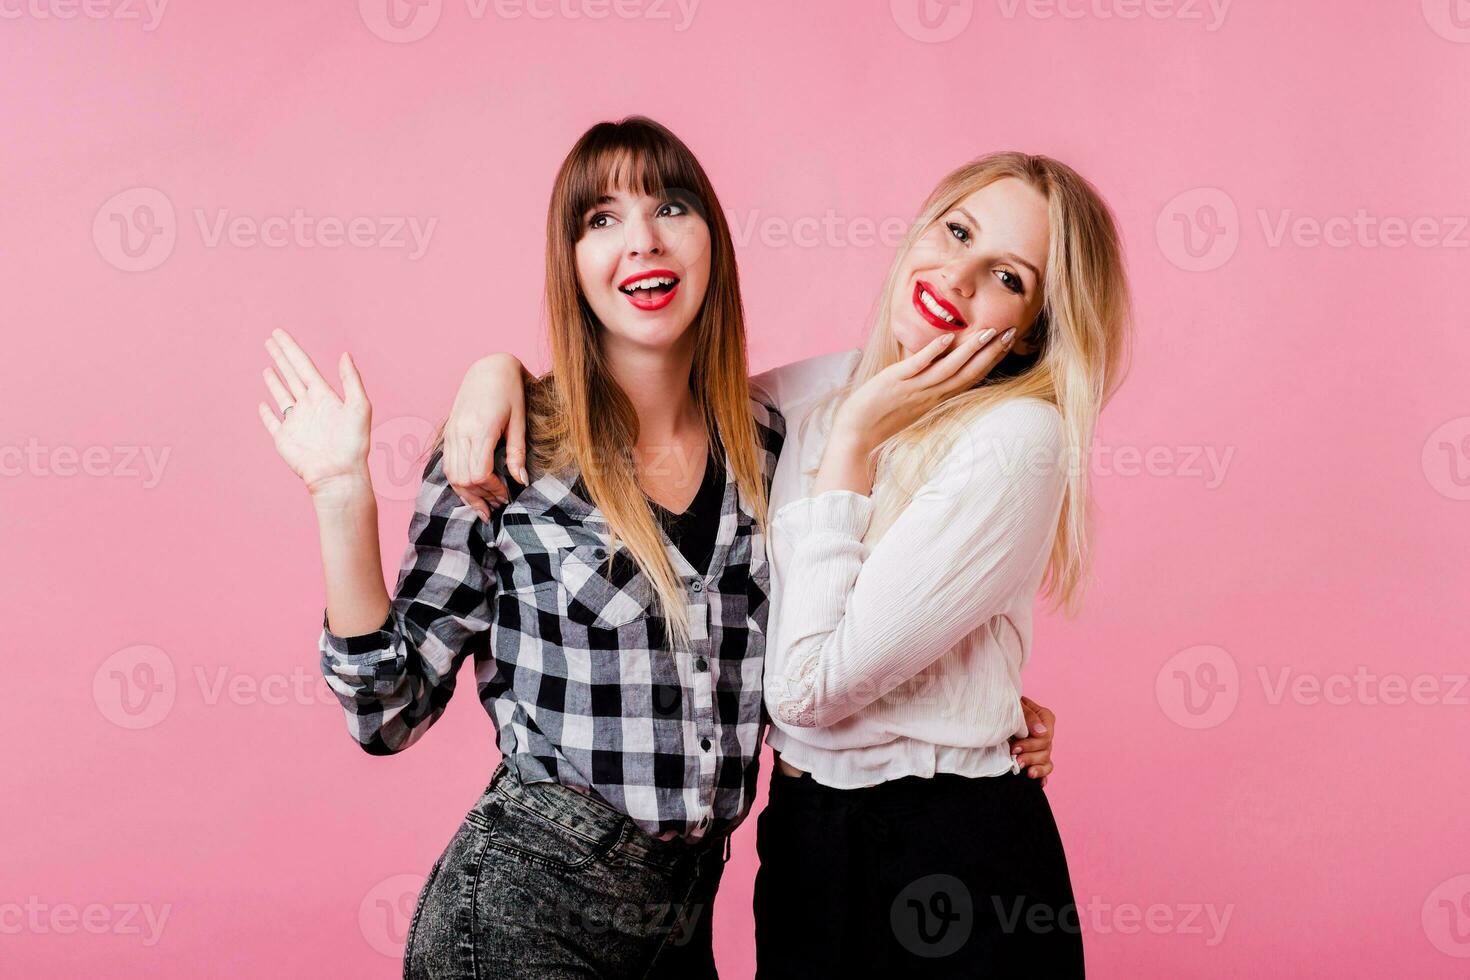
544	881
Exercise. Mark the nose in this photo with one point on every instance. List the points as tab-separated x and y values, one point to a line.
642	237
960	274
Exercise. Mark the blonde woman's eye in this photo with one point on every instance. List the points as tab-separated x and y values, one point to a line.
960	232
1010	281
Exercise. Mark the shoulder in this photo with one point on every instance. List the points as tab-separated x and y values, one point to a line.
1019	441
801	381
1030	418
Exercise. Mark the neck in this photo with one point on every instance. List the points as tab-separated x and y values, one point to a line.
657	383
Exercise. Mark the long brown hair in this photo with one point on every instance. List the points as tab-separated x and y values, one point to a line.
577	415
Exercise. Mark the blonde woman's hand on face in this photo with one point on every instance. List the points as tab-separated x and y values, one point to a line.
904	392
490	404
1033	753
323	438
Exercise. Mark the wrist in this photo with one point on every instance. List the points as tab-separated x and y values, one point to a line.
850	441
499	365
342	491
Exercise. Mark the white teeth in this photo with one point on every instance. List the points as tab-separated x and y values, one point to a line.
934	307
651	283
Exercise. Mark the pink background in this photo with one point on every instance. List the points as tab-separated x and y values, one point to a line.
1329	379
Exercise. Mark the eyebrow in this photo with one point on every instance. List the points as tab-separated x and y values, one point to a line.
1009	255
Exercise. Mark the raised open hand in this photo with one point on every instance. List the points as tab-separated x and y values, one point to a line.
323	438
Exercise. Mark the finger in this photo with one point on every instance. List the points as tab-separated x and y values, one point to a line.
1041	771
1044	779
1028	759
1021	745
515	440
1032	718
924	356
353	391
479	459
473	478
475	503
287	369
485	499
981	362
272	424
963	355
278	390
303	365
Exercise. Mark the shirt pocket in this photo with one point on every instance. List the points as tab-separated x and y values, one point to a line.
597	591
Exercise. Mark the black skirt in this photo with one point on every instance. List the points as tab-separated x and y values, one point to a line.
948	876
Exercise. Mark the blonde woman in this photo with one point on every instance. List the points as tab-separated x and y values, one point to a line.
915	521
902	597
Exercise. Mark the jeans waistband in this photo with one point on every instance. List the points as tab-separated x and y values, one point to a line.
585	814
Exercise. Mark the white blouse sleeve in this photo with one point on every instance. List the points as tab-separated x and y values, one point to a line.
853	624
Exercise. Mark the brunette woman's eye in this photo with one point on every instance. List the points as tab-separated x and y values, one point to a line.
1011	281
959	231
600	220
671	209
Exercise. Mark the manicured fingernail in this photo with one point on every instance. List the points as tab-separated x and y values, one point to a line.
1015	750
946	340
1040	728
985	335
1008	336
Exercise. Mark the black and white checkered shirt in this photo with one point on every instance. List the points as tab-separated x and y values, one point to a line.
571	658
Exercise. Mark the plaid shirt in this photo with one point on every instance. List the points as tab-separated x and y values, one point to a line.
571	659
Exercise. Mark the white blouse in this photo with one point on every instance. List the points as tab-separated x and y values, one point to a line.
904	657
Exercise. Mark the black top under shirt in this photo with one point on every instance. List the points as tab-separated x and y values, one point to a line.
694	531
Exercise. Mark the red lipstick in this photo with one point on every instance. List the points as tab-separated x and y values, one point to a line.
923	289
650	299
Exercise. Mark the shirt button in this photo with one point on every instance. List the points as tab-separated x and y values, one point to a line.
701	664
704	744
698	586
599	554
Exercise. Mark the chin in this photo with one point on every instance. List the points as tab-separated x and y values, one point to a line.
910	336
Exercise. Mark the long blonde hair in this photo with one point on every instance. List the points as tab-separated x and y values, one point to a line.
1081	340
577	415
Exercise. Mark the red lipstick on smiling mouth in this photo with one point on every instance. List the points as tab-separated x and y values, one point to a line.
938	311
650	290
